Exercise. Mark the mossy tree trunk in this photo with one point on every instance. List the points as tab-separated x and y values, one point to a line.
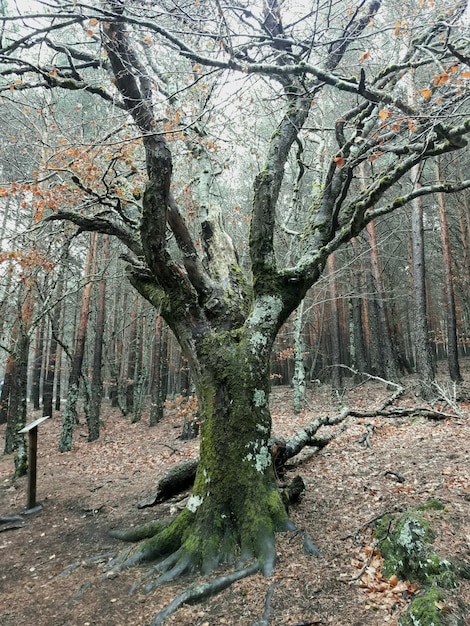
235	502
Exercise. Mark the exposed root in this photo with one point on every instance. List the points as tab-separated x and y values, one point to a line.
141	532
196	593
83	562
183	564
265	619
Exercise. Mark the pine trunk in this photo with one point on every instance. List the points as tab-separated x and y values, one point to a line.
334	326
423	356
386	358
53	371
452	345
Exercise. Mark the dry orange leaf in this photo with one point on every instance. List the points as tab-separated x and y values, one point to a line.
426	93
440	79
383	114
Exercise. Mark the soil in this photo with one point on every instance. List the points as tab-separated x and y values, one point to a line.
48	577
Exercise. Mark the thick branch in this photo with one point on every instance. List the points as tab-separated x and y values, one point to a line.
102	223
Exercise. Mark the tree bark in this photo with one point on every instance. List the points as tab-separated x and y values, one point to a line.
97	379
334	326
37	364
452	345
235	507
52	372
69	417
160	372
299	380
423	357
17	407
386	358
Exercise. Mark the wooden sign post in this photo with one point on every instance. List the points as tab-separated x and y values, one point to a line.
32	430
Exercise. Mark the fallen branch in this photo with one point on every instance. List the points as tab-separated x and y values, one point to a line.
306	436
404	412
177	479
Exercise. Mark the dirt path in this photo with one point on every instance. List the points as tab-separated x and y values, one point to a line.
97	486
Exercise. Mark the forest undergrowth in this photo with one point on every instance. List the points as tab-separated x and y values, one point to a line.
52	563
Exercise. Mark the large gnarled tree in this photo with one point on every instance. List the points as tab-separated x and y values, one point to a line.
225	316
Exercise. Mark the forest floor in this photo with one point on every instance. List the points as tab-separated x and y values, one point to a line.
45	578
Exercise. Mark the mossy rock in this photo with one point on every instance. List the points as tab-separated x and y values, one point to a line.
425	610
433	504
431	608
405	545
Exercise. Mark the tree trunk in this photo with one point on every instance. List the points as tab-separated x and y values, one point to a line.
299	380
37	364
6	388
132	347
139	375
235	507
386	359
17	407
97	379
357	334
69	417
423	357
452	346
53	372
160	373
336	371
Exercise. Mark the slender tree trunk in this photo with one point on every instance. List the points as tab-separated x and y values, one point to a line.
132	348
6	388
299	381
423	358
452	345
38	364
17	408
58	378
386	356
97	379
139	376
69	417
119	300
336	372
160	373
52	372
357	334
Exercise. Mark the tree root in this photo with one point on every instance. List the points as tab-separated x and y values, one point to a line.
141	532
264	621
199	592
